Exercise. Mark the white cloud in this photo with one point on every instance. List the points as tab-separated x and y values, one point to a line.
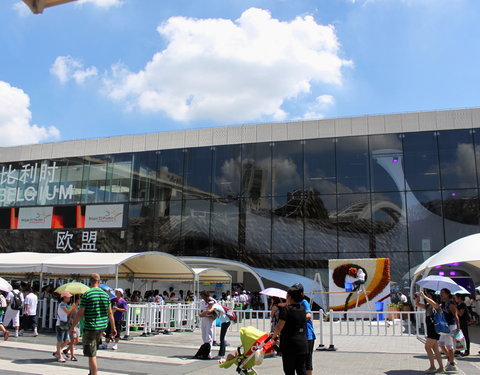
15	119
225	71
325	101
66	68
102	3
21	8
315	110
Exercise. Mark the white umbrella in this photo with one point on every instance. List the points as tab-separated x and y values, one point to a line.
5	286
435	282
274	292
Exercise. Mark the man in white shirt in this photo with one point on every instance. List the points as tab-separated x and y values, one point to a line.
12	314
31	301
207	325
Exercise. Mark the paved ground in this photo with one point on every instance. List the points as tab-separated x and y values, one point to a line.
172	354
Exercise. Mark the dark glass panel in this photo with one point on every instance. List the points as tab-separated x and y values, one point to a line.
145	176
476	141
140	226
320	215
420	160
198	173
461	213
71	180
255	232
352	165
287	226
196	227
170	174
389	224
49	173
95	173
425	222
457	159
167	226
354	223
287	167
224	228
386	163
226	171
118	181
320	173
256	170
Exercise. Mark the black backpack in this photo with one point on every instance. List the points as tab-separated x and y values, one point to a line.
16	303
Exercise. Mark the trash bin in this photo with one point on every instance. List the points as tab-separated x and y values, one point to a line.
348	287
379	308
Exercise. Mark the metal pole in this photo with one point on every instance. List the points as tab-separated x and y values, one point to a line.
331	347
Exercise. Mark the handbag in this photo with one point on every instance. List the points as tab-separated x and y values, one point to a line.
64	326
441	325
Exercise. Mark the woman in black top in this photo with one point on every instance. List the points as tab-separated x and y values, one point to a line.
431	344
292	327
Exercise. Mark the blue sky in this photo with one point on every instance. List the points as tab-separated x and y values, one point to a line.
97	68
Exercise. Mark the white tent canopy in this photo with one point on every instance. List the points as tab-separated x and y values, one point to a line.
148	265
463	250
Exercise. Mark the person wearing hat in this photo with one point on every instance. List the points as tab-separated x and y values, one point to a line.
62	327
119	307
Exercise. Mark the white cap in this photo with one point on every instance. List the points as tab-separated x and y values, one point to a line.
120	290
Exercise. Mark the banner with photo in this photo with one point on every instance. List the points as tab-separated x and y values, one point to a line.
347	294
35	217
104	216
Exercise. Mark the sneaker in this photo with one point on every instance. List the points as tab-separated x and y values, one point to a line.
103	346
35	333
431	370
450	367
114	347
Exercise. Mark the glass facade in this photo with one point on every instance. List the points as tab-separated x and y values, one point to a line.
289	205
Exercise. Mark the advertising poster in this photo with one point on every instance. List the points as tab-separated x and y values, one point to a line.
35	217
104	216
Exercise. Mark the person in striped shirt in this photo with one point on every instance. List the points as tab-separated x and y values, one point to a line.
95	307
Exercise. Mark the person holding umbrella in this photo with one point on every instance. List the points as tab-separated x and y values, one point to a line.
431	344
63	324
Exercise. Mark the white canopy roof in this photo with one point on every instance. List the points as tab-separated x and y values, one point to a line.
147	265
463	250
212	275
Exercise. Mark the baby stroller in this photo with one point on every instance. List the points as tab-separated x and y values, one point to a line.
255	344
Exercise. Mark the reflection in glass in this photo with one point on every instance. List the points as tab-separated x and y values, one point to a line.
198	173
168	226
354	221
118	181
461	213
457	159
320	215
320	174
144	176
140	226
389	224
256	171
287	167
95	172
224	228
420	157
196	227
425	222
386	163
352	165
226	171
255	232
287	226
170	174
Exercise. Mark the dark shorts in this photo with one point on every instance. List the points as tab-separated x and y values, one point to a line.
309	356
30	321
90	342
1	318
118	327
431	333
